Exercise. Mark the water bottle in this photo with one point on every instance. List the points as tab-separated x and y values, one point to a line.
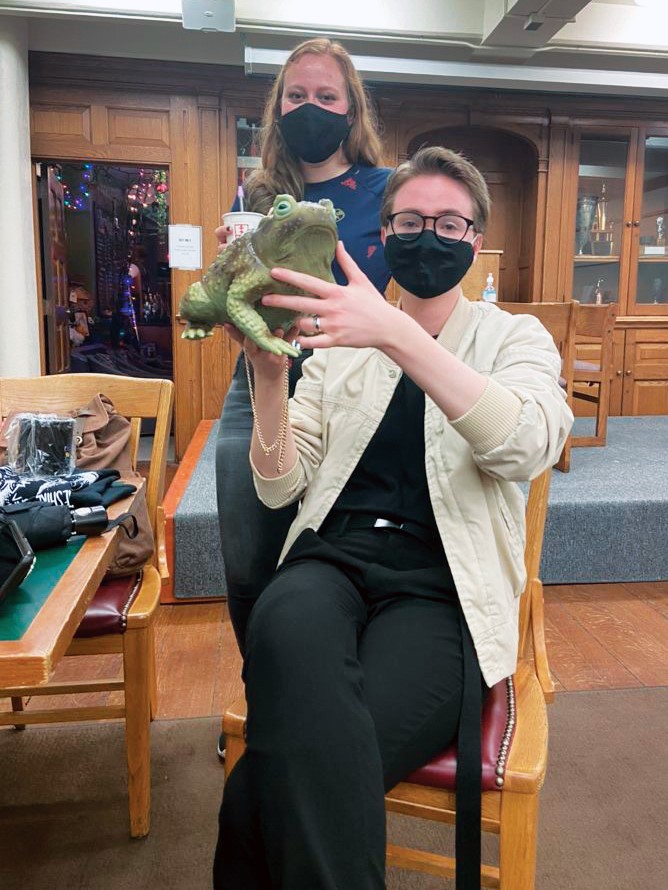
489	294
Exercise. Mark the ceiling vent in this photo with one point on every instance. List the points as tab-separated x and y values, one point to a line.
534	22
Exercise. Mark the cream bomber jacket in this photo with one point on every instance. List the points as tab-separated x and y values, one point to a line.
514	431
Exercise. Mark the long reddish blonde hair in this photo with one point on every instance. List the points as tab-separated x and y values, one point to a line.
280	172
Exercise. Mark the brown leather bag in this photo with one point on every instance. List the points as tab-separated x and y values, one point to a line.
103	443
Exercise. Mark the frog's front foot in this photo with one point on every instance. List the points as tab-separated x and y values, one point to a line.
277	346
244	317
197	331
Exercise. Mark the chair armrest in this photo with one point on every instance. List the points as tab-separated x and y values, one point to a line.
161	546
147	600
527	760
541	662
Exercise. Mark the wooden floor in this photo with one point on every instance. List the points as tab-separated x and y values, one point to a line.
607	636
600	636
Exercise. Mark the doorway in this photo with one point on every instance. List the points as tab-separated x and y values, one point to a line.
106	287
509	164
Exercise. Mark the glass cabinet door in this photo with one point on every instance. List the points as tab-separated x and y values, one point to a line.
600	218
649	277
248	146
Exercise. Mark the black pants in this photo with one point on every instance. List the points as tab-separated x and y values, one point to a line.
251	535
354	678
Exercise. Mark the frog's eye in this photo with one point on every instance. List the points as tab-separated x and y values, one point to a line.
327	204
282	209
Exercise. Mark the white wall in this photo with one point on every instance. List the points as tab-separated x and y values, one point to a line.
19	338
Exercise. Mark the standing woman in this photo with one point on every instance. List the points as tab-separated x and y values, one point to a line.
319	140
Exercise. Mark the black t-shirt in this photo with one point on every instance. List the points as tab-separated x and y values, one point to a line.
390	479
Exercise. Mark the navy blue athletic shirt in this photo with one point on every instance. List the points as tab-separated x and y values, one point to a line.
356	195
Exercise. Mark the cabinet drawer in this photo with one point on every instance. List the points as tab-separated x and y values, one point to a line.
649	361
646	372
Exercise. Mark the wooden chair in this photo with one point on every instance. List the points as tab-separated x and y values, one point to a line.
134	599
514	745
560	321
594	329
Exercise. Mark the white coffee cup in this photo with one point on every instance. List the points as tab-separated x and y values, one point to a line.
240	221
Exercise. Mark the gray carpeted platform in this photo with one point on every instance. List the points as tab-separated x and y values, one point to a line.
199	570
607	521
63	806
608	517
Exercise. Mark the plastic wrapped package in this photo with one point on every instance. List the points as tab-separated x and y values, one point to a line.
41	445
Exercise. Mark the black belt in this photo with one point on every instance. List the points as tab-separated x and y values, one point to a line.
340	522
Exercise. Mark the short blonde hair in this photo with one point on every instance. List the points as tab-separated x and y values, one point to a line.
435	159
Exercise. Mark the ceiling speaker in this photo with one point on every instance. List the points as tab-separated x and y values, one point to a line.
208	15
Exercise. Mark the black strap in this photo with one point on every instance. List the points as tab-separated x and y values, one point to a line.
121	520
469	771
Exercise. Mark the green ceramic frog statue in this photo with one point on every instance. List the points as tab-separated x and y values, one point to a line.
297	235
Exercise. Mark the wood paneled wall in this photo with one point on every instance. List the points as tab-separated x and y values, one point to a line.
182	115
180	118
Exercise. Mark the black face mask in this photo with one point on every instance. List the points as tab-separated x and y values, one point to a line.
427	267
313	133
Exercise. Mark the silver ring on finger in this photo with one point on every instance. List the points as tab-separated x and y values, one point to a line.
316	324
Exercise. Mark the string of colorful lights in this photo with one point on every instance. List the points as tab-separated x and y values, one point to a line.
77	198
148	195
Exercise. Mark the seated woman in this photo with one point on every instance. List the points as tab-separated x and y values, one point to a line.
396	597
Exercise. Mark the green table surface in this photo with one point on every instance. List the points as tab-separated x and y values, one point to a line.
21	605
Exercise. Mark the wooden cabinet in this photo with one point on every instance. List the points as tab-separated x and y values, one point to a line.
639	375
619	192
618	187
645	372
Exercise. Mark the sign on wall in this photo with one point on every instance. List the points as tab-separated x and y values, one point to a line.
185	247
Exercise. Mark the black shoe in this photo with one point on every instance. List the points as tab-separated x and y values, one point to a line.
221	747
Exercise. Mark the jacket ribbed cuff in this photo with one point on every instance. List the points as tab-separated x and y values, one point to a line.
493	418
278	491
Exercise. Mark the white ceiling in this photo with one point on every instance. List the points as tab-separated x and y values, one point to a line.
599	45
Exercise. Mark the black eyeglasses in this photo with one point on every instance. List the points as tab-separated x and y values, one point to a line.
409	225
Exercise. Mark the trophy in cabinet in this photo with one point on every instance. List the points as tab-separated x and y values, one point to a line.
655	245
601	238
657	290
584	220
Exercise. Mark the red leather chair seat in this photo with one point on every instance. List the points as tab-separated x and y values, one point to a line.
108	610
498	728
